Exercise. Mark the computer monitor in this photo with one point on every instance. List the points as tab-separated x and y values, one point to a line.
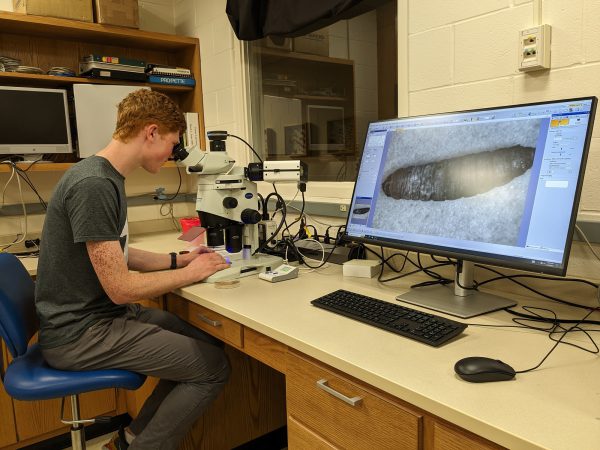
498	186
34	120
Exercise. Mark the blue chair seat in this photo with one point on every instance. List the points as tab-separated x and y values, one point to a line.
29	377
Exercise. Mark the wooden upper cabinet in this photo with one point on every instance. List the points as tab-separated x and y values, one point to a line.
47	42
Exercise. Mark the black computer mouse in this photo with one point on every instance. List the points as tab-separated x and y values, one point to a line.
479	369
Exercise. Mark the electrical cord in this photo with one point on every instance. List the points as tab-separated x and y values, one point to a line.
564	333
176	193
24	234
554	328
23	174
33	163
500	276
512	278
12	175
580	231
249	146
287	227
265	244
326	259
419	268
308	257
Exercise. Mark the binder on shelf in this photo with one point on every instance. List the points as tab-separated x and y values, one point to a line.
157	69
191	137
176	81
89	65
114	75
114	60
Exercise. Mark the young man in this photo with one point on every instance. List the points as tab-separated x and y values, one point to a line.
85	289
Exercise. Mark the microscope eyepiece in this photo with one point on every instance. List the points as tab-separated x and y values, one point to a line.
179	152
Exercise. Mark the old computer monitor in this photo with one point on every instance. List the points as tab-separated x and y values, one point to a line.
34	120
498	186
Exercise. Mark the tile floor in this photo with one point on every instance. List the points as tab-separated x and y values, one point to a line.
96	443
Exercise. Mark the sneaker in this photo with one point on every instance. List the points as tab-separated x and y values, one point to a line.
117	442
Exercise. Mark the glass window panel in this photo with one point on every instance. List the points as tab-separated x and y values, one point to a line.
314	96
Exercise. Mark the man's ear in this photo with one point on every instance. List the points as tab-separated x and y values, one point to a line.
151	131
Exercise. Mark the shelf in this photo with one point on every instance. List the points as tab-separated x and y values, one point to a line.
46	42
59	167
320	97
38	167
304	56
56	81
51	27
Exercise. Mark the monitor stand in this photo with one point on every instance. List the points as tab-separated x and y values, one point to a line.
459	302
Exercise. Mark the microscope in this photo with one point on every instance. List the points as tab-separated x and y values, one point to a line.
228	204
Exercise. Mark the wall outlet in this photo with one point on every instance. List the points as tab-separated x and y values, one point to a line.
534	48
343	208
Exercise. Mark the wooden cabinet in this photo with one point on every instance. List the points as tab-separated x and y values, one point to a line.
45	42
252	404
8	433
440	435
326	409
343	413
36	419
207	320
253	401
32	421
265	349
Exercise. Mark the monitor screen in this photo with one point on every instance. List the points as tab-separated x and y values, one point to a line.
34	120
498	186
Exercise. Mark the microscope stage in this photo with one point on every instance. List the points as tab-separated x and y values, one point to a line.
246	267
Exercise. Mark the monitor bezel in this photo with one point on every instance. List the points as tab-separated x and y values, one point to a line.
38	149
482	257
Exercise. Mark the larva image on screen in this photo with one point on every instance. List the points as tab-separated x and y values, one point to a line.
499	186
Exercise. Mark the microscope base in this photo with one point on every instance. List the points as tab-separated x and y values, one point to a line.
246	267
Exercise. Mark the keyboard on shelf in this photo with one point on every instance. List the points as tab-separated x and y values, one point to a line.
420	326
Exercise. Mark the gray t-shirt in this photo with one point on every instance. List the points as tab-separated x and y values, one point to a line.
88	204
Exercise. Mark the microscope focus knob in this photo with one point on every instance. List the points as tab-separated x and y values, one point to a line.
250	216
230	202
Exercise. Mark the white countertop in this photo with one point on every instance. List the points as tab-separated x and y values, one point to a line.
556	406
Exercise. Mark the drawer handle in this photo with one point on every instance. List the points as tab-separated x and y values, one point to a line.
214	323
354	401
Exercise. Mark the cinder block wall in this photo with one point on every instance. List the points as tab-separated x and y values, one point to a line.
463	55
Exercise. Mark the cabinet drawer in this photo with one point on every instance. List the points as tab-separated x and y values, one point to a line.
441	436
300	437
213	323
266	350
346	413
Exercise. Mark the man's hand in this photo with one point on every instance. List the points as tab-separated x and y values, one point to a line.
204	264
184	259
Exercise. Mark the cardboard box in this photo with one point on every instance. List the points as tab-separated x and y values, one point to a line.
316	43
65	9
123	13
6	5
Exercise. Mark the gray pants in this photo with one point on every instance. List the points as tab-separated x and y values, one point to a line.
191	365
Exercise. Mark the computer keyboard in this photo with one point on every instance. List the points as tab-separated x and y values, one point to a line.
420	326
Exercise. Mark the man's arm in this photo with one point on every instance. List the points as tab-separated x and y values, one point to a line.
123	286
144	261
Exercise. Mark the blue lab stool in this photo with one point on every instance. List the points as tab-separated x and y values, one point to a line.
29	377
